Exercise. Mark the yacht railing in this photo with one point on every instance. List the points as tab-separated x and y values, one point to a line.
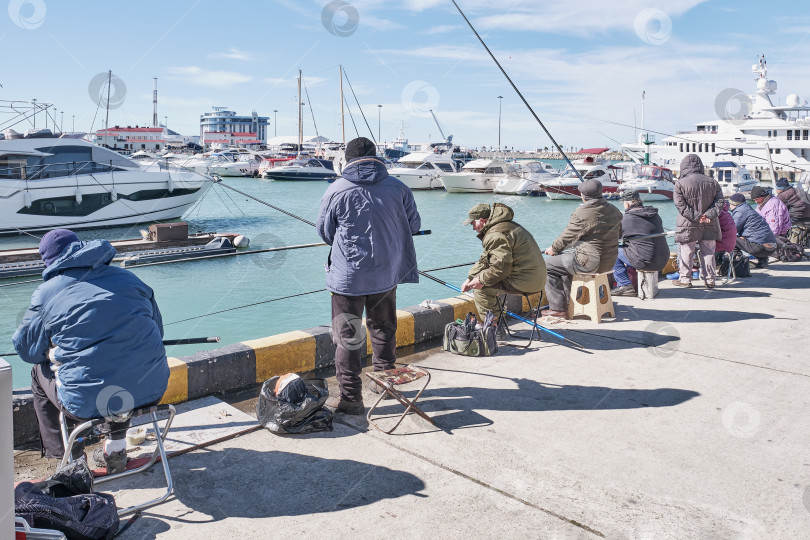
55	170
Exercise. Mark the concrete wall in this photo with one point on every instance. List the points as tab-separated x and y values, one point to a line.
245	364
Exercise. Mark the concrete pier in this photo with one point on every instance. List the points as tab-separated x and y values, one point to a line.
685	417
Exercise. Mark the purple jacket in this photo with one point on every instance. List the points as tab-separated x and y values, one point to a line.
729	229
776	214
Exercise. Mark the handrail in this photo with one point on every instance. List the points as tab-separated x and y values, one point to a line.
68	168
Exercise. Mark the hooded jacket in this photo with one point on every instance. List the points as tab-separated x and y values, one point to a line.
369	219
776	215
728	229
510	252
751	225
106	329
799	210
593	231
647	254
696	194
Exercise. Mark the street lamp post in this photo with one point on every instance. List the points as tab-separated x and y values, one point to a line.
379	112
73	130
500	102
62	122
275	123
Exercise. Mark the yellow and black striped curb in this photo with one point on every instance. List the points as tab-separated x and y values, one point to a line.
243	365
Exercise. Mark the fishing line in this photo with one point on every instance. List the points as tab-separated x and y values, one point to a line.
351	116
218	180
233	201
359	107
518	92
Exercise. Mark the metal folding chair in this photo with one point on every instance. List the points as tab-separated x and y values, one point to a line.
536	309
69	438
388	380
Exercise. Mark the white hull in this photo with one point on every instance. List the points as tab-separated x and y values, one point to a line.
99	187
730	189
516	186
417	181
651	191
469	183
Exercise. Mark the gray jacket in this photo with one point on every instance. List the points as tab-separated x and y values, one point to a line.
695	195
368	217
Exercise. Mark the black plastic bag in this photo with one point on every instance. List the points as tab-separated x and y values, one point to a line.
75	478
306	416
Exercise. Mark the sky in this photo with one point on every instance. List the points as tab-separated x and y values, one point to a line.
582	66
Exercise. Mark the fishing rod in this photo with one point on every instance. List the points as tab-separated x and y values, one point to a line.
183	341
219	181
518	92
518	317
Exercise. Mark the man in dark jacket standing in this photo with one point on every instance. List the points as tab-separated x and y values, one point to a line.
95	333
699	201
592	235
511	263
645	254
369	219
754	236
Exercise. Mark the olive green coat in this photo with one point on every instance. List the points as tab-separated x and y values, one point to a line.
510	254
593	232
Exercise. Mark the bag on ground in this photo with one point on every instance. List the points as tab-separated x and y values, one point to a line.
90	516
789	252
75	478
297	408
469	338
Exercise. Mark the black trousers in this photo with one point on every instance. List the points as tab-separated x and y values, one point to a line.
759	251
47	407
349	337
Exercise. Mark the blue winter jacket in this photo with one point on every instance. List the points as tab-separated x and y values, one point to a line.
368	217
751	225
106	329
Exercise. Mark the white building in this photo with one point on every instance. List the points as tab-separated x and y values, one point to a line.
132	139
224	127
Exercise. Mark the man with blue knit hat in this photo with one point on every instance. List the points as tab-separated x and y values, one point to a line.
95	336
369	219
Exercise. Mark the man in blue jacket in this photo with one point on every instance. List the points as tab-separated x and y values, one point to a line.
95	335
754	235
369	219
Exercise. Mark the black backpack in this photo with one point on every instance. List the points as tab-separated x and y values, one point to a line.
91	516
790	252
742	267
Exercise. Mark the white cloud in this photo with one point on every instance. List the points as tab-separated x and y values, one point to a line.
232	54
310	82
206	77
441	29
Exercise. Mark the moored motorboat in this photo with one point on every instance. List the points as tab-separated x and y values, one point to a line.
653	183
421	170
303	169
526	179
732	177
566	186
477	176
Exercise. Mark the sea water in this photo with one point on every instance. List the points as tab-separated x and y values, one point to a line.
190	289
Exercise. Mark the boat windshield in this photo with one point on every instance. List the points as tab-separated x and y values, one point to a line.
650	172
446	167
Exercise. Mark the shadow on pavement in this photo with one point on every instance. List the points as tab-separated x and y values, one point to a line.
237	482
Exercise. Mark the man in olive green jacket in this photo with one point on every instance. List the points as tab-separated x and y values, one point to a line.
511	263
588	245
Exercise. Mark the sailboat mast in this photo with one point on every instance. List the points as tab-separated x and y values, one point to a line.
300	116
109	83
342	124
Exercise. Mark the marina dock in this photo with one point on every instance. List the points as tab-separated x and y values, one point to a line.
683	417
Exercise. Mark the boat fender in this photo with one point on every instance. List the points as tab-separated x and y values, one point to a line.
649	189
241	242
78	195
170	184
27	199
114	194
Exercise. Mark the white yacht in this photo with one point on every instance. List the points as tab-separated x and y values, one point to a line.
757	131
48	183
732	177
421	170
566	186
303	169
652	183
526	178
477	176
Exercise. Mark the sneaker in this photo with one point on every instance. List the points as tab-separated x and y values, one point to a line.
338	404
761	263
375	388
680	283
710	284
624	290
554	313
500	333
114	463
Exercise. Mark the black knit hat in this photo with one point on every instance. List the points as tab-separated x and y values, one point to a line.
360	147
758	191
630	195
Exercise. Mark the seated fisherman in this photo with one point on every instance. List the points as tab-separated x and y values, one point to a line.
511	263
95	335
591	242
798	209
773	210
753	234
645	254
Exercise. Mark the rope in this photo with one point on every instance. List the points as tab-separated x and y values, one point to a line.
266	203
